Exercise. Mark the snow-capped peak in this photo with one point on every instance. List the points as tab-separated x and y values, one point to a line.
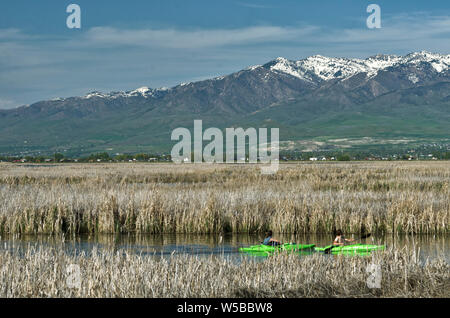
438	61
142	90
253	67
289	67
319	67
94	94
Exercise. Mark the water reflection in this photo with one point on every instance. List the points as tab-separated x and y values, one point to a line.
205	245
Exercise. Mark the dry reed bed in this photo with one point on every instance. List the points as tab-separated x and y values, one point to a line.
42	272
392	197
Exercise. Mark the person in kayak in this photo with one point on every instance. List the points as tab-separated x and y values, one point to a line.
340	239
269	240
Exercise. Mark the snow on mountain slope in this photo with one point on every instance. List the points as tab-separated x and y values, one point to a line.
142	91
326	68
316	69
439	62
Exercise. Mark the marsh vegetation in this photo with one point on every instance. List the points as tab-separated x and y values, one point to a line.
43	272
383	197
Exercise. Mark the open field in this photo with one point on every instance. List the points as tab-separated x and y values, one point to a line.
389	197
42	272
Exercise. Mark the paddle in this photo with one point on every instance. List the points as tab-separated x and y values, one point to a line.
275	244
328	249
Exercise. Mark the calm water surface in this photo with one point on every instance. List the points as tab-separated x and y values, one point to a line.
207	245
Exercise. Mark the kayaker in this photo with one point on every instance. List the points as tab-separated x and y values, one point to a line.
340	239
269	240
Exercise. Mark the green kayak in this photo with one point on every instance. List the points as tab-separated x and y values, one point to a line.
354	248
291	247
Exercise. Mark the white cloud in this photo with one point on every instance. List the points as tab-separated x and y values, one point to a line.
7	104
415	28
192	39
254	5
36	67
11	33
398	33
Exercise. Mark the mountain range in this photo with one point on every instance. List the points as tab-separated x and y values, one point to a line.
314	101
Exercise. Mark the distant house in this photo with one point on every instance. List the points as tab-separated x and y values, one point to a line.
313	159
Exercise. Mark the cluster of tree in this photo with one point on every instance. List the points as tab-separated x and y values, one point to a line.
104	156
364	155
97	157
442	155
284	156
37	159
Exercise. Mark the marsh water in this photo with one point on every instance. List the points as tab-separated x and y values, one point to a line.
428	246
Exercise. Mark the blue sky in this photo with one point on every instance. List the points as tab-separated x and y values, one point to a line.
123	45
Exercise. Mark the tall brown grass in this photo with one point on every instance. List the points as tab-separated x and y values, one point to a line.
42	272
387	197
